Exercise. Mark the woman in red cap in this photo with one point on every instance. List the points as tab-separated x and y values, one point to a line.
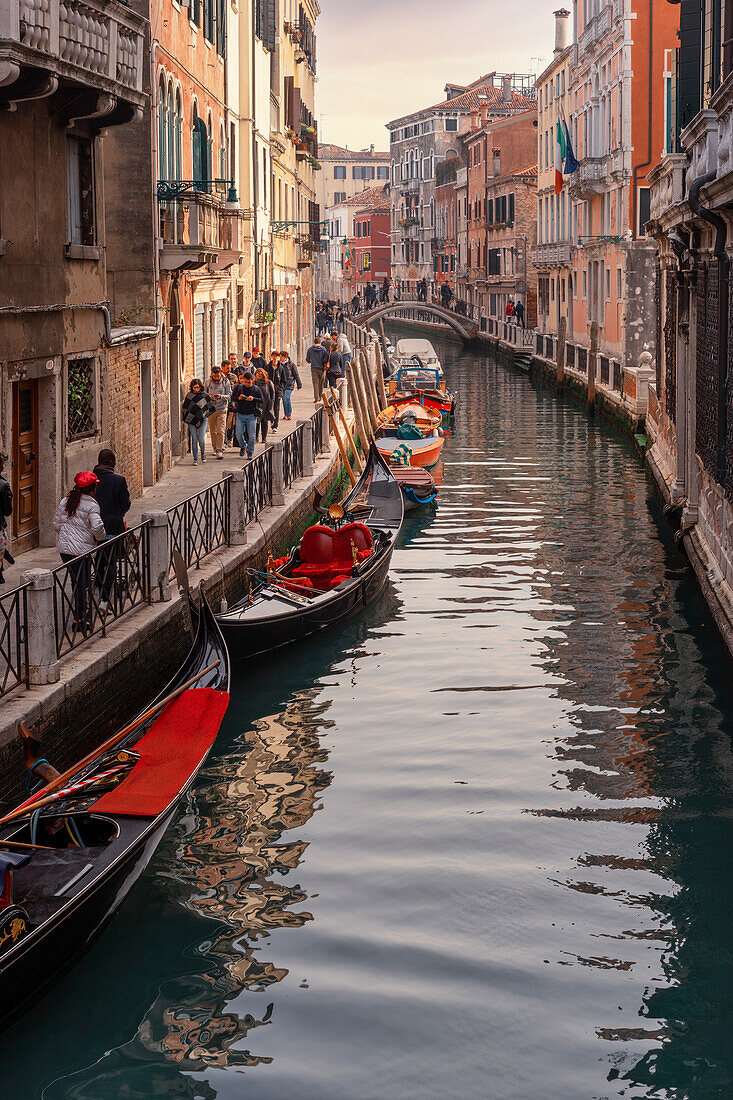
79	528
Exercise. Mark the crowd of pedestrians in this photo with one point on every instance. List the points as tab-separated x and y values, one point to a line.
241	403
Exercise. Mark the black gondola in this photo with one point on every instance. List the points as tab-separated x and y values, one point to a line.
96	840
300	595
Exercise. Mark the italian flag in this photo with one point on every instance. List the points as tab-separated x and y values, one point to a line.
561	150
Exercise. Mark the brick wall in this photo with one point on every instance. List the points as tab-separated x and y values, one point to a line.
121	405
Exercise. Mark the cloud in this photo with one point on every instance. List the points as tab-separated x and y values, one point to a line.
380	59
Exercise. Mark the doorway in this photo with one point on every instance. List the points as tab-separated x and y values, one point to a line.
146	411
25	465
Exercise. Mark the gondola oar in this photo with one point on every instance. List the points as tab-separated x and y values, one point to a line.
40	797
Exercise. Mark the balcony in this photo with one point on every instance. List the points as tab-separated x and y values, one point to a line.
598	27
410	187
198	230
308	249
80	44
667	184
559	254
590	179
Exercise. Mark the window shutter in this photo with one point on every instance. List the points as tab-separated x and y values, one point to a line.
198	342
270	27
218	334
221	17
288	85
297	110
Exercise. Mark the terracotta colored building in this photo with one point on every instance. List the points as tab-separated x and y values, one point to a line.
366	254
502	213
619	105
445	242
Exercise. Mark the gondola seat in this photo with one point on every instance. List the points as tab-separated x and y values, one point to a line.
326	557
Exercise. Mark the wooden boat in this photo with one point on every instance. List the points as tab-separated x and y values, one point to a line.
417	485
96	840
333	572
423	417
424	452
411	350
415	383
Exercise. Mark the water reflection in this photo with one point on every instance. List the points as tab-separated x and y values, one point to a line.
230	845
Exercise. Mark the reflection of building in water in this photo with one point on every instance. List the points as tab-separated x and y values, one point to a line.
646	742
230	850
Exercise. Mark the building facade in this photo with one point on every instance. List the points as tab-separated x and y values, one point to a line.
553	257
345	172
421	141
618	130
690	420
445	241
502	213
61	91
366	253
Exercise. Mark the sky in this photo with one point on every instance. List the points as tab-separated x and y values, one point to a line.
380	59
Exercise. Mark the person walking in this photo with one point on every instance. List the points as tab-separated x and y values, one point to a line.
289	378
248	401
343	347
113	498
423	290
197	408
276	376
6	510
79	528
385	290
220	391
230	375
355	303
258	360
519	313
262	381
333	369
316	356
509	309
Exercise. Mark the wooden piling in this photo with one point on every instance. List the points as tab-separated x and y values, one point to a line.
381	390
357	404
371	397
358	461
326	398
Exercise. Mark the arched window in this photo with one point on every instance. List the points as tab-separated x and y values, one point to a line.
170	135
200	151
178	129
162	150
222	154
210	160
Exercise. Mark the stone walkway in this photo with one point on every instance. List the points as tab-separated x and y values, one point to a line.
183	480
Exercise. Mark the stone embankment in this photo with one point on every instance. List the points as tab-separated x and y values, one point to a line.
79	693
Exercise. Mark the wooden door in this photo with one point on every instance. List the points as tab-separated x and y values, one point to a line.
25	465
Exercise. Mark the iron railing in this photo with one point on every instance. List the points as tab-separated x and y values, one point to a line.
293	456
317	421
97	588
257	485
13	639
200	523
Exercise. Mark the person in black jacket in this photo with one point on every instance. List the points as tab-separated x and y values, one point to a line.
6	509
289	378
248	401
113	498
112	495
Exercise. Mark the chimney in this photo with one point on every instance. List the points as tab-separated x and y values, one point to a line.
475	119
561	30
497	162
371	148
506	89
483	106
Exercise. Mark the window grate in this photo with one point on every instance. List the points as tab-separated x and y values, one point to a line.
80	398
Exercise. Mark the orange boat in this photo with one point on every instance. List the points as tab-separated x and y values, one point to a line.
424	452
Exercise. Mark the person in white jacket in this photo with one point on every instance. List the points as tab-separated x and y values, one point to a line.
79	528
343	348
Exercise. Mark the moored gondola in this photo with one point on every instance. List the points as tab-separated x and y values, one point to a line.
333	572
69	858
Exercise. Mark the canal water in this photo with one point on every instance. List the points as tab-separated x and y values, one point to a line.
475	844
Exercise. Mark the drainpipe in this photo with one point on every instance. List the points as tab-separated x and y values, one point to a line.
648	161
141	331
255	165
721	255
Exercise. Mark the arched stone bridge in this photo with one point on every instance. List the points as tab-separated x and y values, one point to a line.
463	326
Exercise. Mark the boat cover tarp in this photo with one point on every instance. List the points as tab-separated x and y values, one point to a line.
170	752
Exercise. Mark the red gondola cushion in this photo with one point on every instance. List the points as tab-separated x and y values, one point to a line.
322	546
170	752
